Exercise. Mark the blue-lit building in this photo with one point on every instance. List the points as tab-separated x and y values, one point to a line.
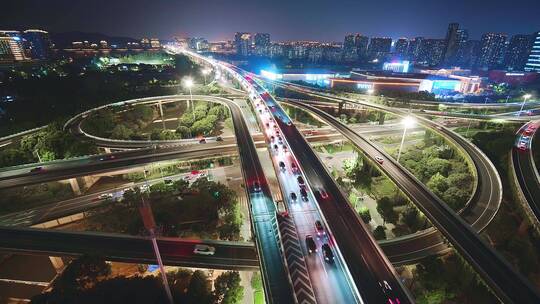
313	76
37	43
380	81
533	63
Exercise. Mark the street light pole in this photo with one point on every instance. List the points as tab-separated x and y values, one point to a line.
407	123
525	98
188	83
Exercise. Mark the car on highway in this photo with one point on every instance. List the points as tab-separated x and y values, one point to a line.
282	166
37	169
145	188
219	138
285	149
105	196
379	159
310	244
267	125
202	249
301	181
303	194
289	123
202	141
323	193
282	209
272	138
327	253
107	157
293	197
319	228
276	147
387	289
294	167
256	187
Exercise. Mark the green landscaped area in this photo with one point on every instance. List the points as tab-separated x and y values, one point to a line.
143	122
203	209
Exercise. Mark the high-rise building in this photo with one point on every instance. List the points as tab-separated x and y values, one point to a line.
11	46
38	43
492	50
451	41
413	50
400	48
431	52
154	43
242	42
361	43
379	48
533	63
461	56
517	52
145	43
262	44
350	52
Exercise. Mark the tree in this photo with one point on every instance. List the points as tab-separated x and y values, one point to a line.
167	135
460	180
121	132
183	132
411	218
227	288
379	233
385	207
230	229
82	273
365	215
438	184
199	289
437	165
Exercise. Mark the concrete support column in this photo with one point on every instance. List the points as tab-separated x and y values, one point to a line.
75	186
57	263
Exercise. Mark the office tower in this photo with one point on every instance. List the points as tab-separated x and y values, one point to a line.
38	43
413	50
431	52
361	43
461	56
492	50
517	52
451	42
11	46
533	63
400	48
350	52
262	44
242	42
379	48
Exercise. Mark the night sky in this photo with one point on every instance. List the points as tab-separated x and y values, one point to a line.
284	19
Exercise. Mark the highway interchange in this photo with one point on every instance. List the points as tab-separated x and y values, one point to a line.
369	280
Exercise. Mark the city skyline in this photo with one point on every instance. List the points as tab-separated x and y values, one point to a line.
324	24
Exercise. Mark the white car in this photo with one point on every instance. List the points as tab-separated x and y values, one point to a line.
204	250
105	196
379	159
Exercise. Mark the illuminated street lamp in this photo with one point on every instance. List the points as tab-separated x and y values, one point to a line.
188	83
525	98
408	122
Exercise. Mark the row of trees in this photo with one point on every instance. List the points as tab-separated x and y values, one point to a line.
48	144
88	280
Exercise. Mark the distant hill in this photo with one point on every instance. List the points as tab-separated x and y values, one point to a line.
62	40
